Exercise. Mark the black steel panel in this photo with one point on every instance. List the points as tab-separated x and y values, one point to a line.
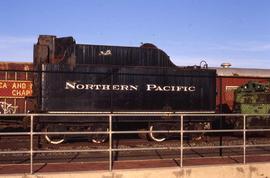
125	56
56	98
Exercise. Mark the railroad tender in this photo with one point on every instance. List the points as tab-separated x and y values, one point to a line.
73	77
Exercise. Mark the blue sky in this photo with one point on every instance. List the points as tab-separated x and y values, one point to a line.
235	31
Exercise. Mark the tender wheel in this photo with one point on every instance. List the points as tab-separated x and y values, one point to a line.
158	137
55	138
100	138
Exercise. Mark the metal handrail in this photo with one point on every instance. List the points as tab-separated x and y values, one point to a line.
138	114
110	132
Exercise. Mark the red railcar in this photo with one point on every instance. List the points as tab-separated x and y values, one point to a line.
230	79
15	87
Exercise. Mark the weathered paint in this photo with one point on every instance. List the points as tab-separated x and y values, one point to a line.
15	89
16	73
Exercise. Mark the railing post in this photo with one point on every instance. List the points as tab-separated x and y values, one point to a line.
181	140
244	139
31	143
110	142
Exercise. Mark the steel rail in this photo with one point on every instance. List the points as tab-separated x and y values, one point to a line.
14	133
70	151
132	132
258	145
15	152
118	132
113	114
135	131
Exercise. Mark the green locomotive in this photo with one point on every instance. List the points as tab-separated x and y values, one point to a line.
253	98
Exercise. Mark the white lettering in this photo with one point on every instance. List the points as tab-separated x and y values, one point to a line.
89	86
105	87
80	86
98	87
149	87
70	85
134	87
167	88
124	87
192	88
115	87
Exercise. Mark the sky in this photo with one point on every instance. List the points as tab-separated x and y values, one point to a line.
217	31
